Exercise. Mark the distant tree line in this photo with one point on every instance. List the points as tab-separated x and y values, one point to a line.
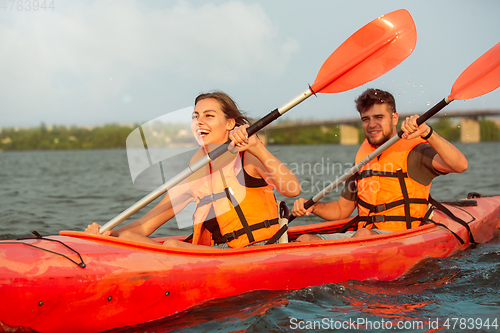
63	137
114	136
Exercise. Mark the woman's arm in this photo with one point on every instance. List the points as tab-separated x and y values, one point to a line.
153	219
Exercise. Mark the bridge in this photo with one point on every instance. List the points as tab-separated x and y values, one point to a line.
349	127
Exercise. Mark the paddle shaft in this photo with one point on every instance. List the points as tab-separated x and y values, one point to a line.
254	128
309	203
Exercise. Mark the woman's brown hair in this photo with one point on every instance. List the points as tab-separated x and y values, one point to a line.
228	106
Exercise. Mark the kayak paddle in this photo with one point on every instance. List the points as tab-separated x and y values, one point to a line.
369	53
480	78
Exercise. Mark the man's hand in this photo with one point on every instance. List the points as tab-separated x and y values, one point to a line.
299	210
412	130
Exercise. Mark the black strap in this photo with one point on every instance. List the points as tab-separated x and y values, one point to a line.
352	223
277	235
401	178
219	239
385	218
427	219
216	234
390	205
210	198
376	173
406	201
237	208
454	234
237	233
38	236
210	224
445	210
370	220
381	218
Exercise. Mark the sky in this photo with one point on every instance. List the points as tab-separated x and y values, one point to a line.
90	63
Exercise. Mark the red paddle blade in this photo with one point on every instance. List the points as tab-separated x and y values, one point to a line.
481	77
373	50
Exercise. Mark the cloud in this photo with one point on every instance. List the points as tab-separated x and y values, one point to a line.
93	51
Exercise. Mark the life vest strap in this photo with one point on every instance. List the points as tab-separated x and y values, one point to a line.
376	173
447	212
385	218
237	233
210	198
352	223
239	212
406	201
402	183
435	204
390	205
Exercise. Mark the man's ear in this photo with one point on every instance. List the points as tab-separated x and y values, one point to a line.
230	124
395	118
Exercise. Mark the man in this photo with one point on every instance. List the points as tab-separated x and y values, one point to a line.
391	191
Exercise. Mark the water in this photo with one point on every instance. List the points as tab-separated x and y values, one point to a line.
66	190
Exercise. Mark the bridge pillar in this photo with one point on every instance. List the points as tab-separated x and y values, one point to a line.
469	130
349	134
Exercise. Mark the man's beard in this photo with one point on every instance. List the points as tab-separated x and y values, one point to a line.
379	142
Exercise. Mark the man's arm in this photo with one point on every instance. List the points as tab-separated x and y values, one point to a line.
448	158
330	211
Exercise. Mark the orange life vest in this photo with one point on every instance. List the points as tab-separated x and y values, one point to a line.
245	215
387	197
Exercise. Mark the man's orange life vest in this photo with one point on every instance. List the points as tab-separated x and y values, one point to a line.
244	215
387	197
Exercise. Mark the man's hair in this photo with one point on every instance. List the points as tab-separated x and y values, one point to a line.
374	96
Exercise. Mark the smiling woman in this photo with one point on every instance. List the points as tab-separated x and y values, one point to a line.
208	108
235	203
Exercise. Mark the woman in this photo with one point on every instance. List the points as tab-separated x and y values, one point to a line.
235	204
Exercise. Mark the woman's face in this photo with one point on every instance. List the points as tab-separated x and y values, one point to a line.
209	124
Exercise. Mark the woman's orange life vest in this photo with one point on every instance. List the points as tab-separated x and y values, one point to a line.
245	215
387	197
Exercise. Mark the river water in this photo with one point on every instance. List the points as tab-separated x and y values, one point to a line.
49	191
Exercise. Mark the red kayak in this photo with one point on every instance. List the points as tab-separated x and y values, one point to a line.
77	282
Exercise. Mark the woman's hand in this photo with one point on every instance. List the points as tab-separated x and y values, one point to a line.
262	164
240	140
94	229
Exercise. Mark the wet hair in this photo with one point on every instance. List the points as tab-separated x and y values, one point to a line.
374	96
228	106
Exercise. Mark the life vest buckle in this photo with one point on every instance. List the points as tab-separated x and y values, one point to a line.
267	224
230	236
379	208
377	218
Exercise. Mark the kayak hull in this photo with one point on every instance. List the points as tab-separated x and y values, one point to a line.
127	283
